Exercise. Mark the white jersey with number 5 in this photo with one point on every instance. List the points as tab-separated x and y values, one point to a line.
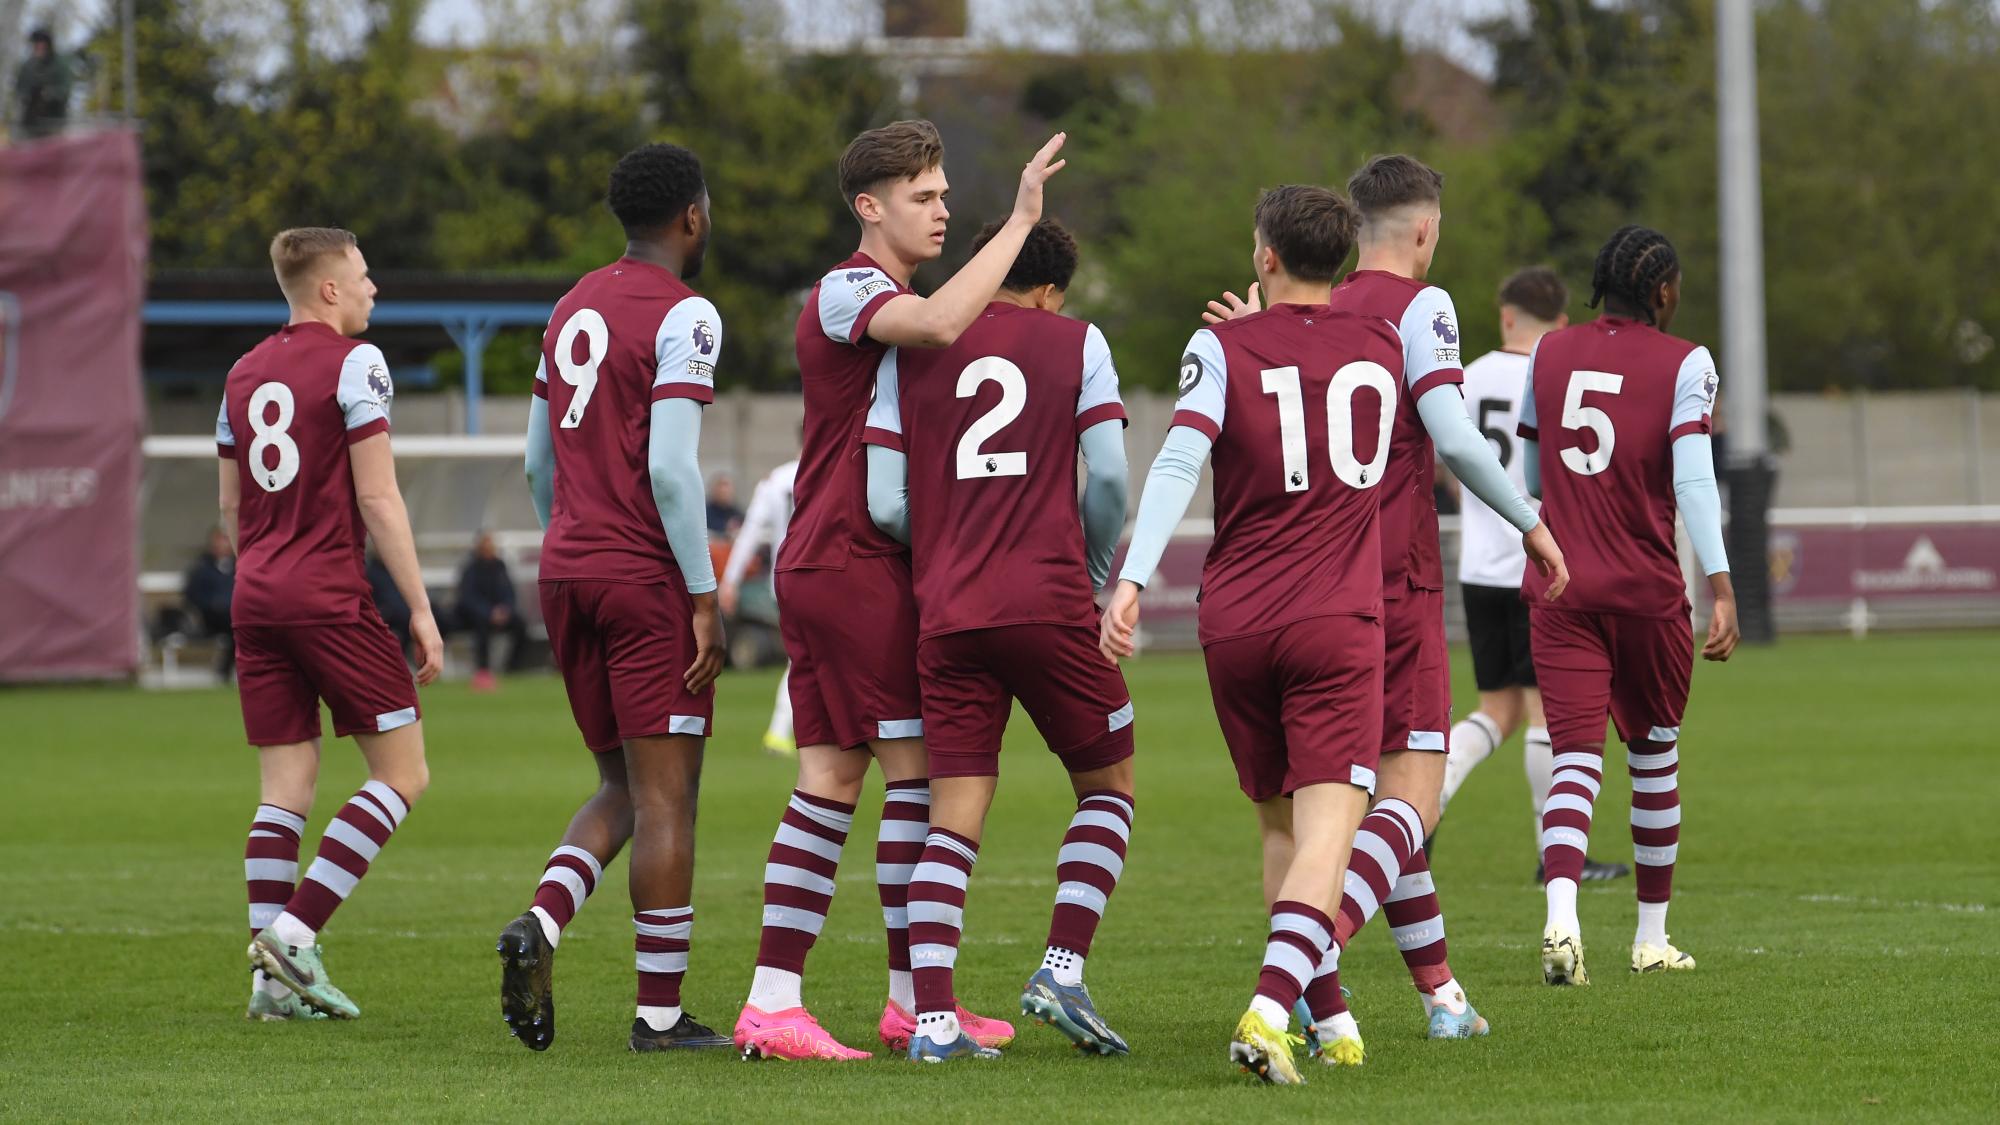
1489	549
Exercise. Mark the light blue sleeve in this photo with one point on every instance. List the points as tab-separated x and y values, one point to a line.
1699	502
1470	456
1531	469
889	491
675	468
541	459
1170	487
1105	489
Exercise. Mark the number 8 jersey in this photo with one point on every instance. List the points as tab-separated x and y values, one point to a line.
625	337
1606	400
1300	402
290	408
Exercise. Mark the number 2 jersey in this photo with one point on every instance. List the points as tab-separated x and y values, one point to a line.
290	408
624	337
990	428
1606	401
1300	402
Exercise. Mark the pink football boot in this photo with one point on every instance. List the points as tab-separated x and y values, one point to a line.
898	1025
792	1034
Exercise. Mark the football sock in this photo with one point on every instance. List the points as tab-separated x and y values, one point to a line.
1087	870
1417	922
902	990
798	887
1299	939
1652	924
1654	764
937	913
1538	760
1338	1026
1382	845
1065	965
774	990
1579	774
899	845
350	843
660	944
271	862
567	881
1472	741
939	1027
1451	994
1323	991
1562	904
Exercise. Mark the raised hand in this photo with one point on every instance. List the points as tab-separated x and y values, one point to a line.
1028	201
1231	306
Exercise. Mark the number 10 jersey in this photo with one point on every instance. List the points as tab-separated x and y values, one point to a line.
626	336
1300	401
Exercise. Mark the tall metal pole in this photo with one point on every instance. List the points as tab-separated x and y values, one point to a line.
129	57
1750	471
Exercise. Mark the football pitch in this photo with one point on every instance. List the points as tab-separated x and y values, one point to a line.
1838	883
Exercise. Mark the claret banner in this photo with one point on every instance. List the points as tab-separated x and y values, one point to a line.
72	278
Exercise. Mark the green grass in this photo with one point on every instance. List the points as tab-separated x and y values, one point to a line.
1837	881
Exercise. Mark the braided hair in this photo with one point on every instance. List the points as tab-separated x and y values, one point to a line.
1631	268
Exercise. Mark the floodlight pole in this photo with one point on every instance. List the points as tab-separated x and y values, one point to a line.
1750	471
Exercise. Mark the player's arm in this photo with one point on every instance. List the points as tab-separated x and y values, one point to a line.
1170	487
541	460
388	523
1528	429
907	320
1696	496
759	526
888	468
363	395
230	485
1100	421
685	352
1432	374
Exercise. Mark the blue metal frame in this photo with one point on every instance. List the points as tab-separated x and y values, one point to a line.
470	324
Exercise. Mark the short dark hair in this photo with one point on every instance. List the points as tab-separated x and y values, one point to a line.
1311	228
900	150
1048	257
1537	291
652	184
1388	182
1630	269
41	35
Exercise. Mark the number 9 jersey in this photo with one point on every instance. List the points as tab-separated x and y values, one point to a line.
1606	400
290	408
626	336
1300	401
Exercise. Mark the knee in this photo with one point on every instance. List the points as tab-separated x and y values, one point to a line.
409	781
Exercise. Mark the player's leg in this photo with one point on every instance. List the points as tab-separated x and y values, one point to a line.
1573	663
1538	763
1649	691
360	672
527	945
800	870
778	738
936	910
1084	712
664	777
281	719
1473	739
287	777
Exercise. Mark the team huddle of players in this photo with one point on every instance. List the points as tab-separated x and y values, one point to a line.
940	564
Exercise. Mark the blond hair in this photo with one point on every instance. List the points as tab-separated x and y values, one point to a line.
297	254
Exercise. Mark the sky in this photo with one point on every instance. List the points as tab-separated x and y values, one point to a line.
832	23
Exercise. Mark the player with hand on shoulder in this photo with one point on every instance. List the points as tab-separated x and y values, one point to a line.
1616	417
845	606
972	458
1296	403
1399	201
1491	562
764	522
306	479
628	589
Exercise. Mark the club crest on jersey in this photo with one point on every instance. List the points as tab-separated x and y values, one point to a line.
704	337
1191	371
379	384
1445	329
